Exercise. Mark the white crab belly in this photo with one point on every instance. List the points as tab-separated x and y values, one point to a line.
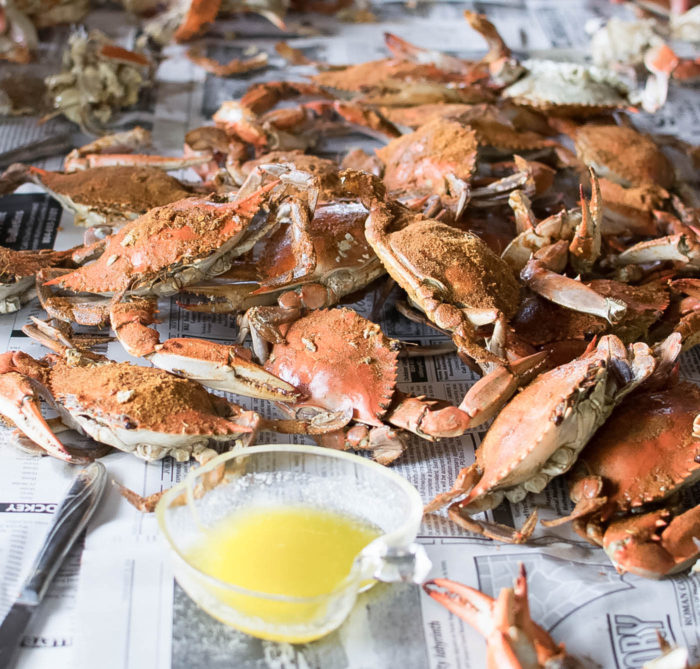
146	444
14	295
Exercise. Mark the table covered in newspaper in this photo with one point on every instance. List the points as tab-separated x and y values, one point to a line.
115	603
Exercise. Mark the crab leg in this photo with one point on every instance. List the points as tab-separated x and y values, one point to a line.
432	419
215	365
547	282
586	244
19	403
200	13
415	54
117	149
222	367
226	298
679	248
167	163
655	544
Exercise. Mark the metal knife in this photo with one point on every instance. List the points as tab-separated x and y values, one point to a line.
68	522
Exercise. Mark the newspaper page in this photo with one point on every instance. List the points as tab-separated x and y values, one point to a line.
115	603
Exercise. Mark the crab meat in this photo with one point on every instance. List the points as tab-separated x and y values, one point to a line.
46	13
98	77
672	657
514	640
540	433
18	38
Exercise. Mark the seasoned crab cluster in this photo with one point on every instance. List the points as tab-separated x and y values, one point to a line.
513	207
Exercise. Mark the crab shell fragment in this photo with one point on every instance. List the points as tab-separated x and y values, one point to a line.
568	88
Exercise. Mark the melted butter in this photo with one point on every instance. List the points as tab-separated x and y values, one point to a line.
291	551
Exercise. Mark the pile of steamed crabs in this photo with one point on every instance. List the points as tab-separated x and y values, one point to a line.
557	245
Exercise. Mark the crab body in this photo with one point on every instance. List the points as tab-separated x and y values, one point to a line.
627	480
322	346
166	248
103	195
438	158
540	433
113	193
623	155
135	409
315	355
448	273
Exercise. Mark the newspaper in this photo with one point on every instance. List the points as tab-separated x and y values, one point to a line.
115	603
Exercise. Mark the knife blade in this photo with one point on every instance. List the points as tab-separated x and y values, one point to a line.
68	522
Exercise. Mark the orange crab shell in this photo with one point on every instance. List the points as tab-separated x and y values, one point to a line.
641	461
423	158
358	78
655	544
116	189
17	264
178	233
623	155
338	234
340	361
139	398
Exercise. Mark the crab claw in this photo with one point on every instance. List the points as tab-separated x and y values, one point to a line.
514	640
471	605
222	367
19	403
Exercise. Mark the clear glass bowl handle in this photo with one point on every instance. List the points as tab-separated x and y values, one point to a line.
395	564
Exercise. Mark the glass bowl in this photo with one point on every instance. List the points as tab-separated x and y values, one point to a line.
290	475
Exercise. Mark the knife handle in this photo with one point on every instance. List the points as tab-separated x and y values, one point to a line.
68	522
